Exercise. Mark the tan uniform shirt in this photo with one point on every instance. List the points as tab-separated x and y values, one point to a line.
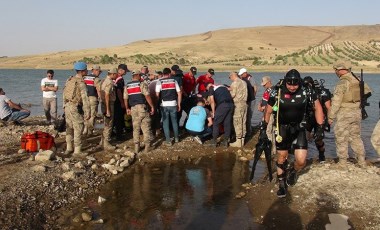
239	92
108	87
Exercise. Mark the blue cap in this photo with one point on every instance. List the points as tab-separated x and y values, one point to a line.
80	66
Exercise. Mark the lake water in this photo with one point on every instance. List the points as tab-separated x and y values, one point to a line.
24	86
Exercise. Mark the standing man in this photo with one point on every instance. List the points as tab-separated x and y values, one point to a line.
345	108
289	103
10	111
145	74
93	91
119	123
375	137
251	104
108	97
205	79
239	94
136	98
49	87
77	108
266	82
189	82
167	89
324	97
222	107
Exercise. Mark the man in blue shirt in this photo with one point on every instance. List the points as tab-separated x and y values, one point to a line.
196	123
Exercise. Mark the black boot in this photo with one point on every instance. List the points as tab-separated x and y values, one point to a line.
321	157
292	177
282	187
224	143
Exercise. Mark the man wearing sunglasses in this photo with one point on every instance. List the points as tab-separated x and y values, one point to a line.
289	103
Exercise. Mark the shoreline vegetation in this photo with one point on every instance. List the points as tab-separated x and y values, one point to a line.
272	48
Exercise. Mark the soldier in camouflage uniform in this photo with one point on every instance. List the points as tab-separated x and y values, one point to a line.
93	92
136	97
345	108
375	138
108	97
239	94
77	108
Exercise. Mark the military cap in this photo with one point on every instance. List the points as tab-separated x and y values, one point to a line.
342	64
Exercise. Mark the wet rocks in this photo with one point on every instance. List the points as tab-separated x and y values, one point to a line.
118	163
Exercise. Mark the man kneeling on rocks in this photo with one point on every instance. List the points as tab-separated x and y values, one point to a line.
10	111
196	123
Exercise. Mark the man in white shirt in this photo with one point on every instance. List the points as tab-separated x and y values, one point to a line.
49	87
169	92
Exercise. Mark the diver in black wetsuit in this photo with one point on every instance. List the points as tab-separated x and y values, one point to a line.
289	102
324	96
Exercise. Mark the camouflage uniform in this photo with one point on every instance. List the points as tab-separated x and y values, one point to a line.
90	123
239	95
76	105
345	108
140	117
107	86
375	138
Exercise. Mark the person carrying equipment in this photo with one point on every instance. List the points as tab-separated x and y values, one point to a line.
289	102
324	97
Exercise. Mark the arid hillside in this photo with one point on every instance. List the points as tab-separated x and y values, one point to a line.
265	48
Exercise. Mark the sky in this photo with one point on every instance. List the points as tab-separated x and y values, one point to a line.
41	26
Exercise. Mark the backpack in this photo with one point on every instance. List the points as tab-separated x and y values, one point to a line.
60	124
71	92
33	142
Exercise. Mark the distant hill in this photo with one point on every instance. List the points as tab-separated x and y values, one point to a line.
275	48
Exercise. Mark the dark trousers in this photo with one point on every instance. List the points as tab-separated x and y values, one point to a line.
202	135
223	115
119	122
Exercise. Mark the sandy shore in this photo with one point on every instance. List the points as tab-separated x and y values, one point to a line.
35	194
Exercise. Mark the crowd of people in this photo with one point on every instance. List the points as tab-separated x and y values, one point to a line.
293	111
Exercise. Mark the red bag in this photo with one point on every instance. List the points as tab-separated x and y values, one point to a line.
33	142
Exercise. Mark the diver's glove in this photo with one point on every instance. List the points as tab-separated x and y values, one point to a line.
263	131
319	133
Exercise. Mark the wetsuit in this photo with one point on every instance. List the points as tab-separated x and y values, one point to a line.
323	95
291	118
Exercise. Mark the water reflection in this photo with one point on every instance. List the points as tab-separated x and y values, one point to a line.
179	196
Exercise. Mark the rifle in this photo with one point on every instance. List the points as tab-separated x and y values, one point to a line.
363	96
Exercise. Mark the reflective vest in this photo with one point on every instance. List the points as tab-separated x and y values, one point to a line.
90	85
135	96
168	90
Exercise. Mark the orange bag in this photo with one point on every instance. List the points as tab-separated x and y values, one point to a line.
33	142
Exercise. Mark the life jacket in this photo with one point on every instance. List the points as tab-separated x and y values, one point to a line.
71	92
135	96
168	90
90	85
33	142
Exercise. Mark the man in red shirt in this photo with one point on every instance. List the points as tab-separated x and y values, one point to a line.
188	82
206	78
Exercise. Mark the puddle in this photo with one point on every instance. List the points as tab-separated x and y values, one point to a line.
196	195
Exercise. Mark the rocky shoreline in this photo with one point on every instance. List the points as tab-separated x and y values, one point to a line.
39	194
